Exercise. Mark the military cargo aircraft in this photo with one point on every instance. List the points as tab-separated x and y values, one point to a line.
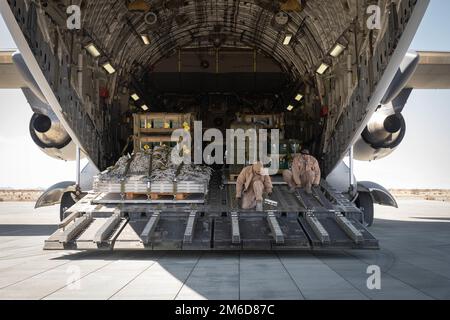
339	72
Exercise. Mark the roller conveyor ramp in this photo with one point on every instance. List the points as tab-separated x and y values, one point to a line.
323	220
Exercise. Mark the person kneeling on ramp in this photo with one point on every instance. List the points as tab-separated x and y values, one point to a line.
251	184
305	172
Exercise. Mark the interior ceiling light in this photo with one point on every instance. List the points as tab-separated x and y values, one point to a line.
337	50
135	97
290	107
93	51
109	68
323	67
144	107
287	39
299	97
145	39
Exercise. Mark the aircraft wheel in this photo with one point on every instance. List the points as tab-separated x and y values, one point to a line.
365	203
68	200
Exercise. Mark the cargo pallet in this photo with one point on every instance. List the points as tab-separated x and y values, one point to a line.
153	190
131	186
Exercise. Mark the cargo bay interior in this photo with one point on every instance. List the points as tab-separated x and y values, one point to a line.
213	55
297	65
215	66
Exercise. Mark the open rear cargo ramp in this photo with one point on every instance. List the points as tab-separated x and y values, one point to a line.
302	222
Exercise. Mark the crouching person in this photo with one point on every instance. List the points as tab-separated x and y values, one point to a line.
251	185
305	172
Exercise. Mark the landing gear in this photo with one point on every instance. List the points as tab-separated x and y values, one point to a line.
365	203
68	200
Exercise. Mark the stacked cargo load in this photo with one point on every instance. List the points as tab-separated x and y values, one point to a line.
156	129
153	173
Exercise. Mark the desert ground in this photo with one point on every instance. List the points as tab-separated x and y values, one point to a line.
422	194
19	195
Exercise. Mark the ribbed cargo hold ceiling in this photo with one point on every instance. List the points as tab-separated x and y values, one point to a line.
315	29
95	92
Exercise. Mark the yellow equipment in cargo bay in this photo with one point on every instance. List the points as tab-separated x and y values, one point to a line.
155	129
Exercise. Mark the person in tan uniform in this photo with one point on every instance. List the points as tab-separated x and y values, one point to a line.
251	184
305	172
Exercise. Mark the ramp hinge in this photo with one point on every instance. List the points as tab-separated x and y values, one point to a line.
235	232
275	228
318	228
190	228
150	227
349	228
107	227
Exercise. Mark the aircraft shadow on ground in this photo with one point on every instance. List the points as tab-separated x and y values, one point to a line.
384	230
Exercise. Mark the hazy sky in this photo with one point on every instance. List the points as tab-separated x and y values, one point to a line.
421	161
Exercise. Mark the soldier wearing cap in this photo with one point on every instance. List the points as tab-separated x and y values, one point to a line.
305	172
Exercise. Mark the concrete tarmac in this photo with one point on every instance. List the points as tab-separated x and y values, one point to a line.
414	261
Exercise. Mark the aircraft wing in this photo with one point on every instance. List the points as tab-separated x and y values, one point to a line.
10	77
433	71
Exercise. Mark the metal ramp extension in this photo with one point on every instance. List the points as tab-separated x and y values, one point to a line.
105	227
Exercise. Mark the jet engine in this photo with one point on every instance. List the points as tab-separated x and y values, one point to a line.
50	136
45	128
381	137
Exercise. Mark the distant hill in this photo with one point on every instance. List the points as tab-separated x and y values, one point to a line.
19	195
422	194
